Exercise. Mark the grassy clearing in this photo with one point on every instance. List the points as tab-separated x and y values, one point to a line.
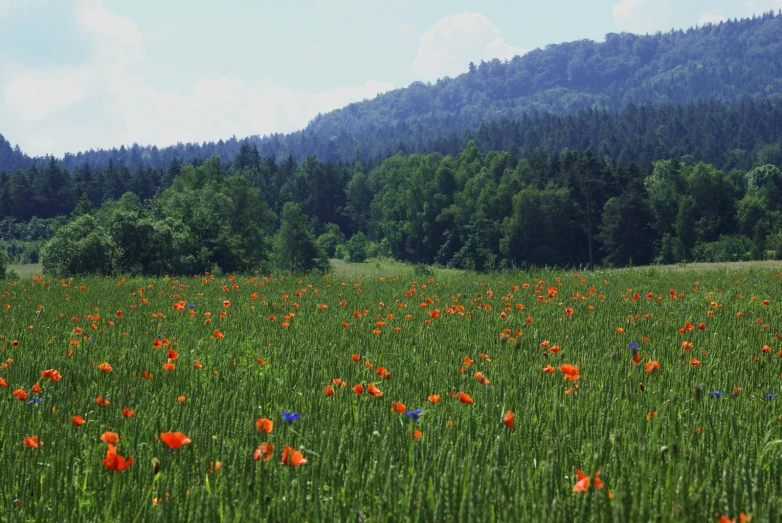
251	348
27	271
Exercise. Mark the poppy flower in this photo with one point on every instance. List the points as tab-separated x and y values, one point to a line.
695	362
172	355
101	401
417	434
264	425
168	366
464	398
509	419
174	440
292	457
264	449
358	389
329	390
15	343
128	413
726	519
217	334
355	357
32	442
374	391
197	364
433	398
77	420
36	389
109	437
113	461
52	374
181	399
583	481
652	365
3	383
105	367
20	394
548	369
398	407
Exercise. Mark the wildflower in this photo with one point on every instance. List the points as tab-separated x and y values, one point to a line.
509	419
433	398
652	365
264	449
105	367
113	461
128	413
716	394
32	442
358	389
174	440
290	417
464	398
413	414
265	425
109	437
583	481
292	457
77	420
770	396
372	390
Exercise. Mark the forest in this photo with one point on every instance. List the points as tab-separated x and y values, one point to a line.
641	149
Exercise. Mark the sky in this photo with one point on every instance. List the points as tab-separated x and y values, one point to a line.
87	74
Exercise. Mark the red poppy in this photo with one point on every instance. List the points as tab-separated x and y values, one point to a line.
652	365
128	413
264	425
105	367
109	437
358	389
32	442
292	457
174	440
264	449
217	334
433	398
398	407
20	394
52	374
374	391
548	369
172	355
583	481
113	461
168	366
77	420
464	398
355	357
509	419
329	390
695	362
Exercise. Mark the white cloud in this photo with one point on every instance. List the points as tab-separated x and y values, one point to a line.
448	46
712	17
405	28
643	16
106	102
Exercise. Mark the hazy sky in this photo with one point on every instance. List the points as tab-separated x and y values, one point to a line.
81	74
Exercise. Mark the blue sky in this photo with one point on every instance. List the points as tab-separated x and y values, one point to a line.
81	74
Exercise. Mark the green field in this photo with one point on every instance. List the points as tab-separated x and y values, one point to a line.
667	445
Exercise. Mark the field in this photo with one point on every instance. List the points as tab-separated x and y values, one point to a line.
663	381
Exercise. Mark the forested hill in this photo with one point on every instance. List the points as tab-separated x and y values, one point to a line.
723	63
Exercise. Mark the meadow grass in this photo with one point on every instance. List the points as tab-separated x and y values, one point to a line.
665	447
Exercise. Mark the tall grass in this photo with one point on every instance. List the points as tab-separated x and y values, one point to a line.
666	448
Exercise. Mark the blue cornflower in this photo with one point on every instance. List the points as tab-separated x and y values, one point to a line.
290	417
413	414
35	400
191	305
770	396
716	393
633	345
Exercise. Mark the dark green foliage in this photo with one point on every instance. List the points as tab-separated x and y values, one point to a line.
295	247
79	247
357	247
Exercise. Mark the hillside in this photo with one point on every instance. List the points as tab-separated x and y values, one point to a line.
724	63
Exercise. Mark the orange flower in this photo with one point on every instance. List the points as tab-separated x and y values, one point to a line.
181	399
77	420
264	425
695	362
398	407
358	389
569	311
105	367
36	389
620	330
548	369
433	398
52	374
652	365
172	355
32	442
128	413
174	440
374	391
329	390
355	357
292	457
168	366
583	481
217	334
109	437
509	419
20	394
464	398
113	461
197	364
417	434
3	383
264	449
